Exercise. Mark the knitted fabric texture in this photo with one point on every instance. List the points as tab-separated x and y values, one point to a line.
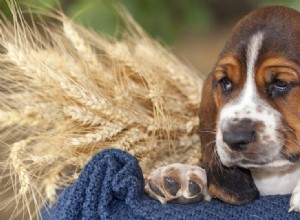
111	187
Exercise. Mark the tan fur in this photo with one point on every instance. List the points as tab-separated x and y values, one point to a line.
72	93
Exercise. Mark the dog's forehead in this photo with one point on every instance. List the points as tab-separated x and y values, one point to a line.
280	28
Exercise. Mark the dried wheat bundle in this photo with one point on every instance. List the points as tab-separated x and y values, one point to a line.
67	93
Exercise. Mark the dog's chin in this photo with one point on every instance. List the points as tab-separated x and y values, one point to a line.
277	164
272	161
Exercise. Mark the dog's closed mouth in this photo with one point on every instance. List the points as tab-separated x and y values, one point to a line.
275	164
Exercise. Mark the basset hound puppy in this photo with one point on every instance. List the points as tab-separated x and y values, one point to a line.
249	119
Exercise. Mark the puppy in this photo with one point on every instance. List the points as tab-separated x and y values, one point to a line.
249	118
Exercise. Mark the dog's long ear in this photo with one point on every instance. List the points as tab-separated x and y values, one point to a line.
232	185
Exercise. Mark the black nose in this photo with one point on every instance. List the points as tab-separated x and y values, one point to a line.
238	140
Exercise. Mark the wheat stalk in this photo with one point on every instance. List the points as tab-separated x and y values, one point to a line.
70	93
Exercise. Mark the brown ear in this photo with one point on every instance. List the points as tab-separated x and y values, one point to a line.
232	185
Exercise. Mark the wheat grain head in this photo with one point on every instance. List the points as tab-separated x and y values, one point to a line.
67	93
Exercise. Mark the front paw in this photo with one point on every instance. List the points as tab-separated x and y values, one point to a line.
295	200
178	183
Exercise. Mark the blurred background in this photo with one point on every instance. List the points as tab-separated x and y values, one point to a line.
194	30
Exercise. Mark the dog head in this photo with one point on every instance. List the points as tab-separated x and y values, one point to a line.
250	103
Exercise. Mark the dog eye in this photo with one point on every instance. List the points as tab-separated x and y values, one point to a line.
226	84
278	88
280	85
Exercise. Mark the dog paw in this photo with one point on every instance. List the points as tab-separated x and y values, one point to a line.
178	183
295	200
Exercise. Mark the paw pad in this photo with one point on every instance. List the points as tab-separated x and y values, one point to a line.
171	185
194	188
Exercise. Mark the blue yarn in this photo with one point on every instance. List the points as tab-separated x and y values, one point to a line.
111	187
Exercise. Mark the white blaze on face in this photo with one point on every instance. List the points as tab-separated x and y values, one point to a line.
249	105
250	92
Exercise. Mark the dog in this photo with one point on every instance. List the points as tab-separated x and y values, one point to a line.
249	119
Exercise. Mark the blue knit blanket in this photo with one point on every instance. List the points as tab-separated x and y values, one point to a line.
111	187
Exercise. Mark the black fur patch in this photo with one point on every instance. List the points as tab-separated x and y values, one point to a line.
235	182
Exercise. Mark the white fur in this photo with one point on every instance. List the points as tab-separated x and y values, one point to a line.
295	200
253	48
276	182
246	106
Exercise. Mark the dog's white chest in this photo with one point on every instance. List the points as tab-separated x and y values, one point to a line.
276	182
